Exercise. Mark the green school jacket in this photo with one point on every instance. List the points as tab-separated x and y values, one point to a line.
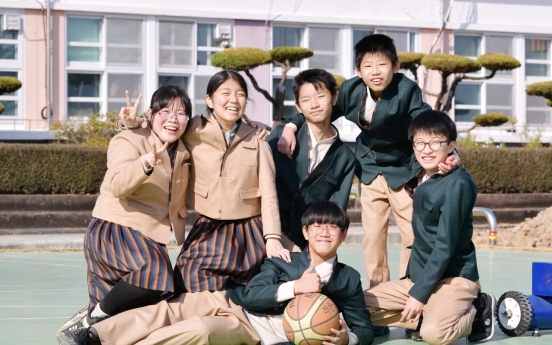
442	222
344	289
384	148
297	189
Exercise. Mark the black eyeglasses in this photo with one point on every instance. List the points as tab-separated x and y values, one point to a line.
435	145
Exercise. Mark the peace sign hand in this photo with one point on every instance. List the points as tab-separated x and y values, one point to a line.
128	113
154	157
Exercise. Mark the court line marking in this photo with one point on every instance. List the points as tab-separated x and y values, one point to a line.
41	263
42	258
1	291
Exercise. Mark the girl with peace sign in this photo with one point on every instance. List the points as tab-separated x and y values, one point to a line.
141	199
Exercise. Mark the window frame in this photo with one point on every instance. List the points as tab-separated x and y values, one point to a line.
509	80
15	66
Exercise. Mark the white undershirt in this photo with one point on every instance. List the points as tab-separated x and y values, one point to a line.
319	149
368	108
270	328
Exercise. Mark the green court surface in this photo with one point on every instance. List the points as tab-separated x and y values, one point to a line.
39	291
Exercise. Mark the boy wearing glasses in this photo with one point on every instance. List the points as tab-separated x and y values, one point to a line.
316	269
442	282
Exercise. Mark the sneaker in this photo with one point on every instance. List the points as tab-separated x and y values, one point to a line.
80	336
380	330
483	324
77	321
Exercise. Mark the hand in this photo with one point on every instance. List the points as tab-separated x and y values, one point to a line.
154	157
287	142
341	336
451	163
128	114
274	248
309	281
412	310
261	132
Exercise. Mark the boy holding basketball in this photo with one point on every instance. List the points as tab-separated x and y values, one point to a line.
442	282
316	269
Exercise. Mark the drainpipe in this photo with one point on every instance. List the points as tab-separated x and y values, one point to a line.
48	66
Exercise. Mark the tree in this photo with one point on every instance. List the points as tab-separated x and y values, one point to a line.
459	67
245	59
7	85
543	89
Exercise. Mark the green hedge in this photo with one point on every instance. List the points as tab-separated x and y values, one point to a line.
74	169
510	170
51	169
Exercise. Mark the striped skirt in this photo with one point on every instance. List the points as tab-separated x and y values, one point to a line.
114	252
217	252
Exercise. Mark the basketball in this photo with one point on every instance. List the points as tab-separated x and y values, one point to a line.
308	318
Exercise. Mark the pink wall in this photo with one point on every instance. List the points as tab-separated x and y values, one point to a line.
251	33
34	83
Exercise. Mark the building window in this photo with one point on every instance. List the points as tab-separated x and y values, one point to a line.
283	36
181	81
8	43
325	43
83	94
117	84
537	57
206	43
124	42
537	111
200	86
84	39
467	101
500	99
10	101
175	44
488	95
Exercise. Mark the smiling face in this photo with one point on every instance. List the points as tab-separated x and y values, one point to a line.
227	103
430	158
316	105
170	122
323	245
376	70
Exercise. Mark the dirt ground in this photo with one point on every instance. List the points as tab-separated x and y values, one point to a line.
532	234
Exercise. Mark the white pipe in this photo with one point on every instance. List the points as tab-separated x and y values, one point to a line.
48	66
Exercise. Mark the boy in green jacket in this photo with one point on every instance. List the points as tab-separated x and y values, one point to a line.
442	281
315	269
382	103
322	166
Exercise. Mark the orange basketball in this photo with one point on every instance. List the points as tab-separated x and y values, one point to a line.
308	318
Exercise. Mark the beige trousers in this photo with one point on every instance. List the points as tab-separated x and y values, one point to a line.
193	318
448	314
377	200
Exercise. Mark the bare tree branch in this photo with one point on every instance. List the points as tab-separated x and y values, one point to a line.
444	88
457	79
262	91
482	78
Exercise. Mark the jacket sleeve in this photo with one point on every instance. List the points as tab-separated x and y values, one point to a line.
357	316
416	107
454	209
341	196
125	170
260	291
267	187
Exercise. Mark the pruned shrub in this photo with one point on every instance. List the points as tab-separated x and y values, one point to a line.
490	119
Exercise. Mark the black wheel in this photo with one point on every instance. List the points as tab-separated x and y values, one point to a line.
514	313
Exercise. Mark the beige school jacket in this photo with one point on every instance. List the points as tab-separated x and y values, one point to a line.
131	198
230	184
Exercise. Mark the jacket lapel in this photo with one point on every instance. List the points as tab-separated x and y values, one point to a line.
302	152
219	141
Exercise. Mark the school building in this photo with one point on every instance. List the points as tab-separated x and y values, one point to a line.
98	49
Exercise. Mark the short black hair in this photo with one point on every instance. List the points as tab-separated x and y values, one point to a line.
163	96
318	78
433	122
325	212
374	44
